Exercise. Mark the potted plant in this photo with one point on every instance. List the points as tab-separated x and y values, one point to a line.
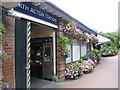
85	57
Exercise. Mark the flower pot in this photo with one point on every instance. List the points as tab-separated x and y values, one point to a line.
87	72
67	77
98	62
79	74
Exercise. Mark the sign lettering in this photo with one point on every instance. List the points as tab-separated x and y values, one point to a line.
29	9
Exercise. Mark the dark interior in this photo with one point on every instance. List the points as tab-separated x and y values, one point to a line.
40	56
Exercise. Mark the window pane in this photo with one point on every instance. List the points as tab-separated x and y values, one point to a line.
83	49
76	52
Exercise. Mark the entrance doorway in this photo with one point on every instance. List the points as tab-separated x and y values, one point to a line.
37	41
42	55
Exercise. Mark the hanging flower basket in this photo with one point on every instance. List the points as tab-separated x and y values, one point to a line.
72	32
93	38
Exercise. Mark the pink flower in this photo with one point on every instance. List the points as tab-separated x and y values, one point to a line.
74	74
6	44
76	69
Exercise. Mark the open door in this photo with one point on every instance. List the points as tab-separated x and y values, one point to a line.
48	60
22	53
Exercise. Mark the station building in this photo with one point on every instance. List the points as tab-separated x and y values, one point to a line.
33	33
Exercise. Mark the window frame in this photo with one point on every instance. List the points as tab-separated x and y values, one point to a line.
79	50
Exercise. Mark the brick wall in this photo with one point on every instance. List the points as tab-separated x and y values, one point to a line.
8	66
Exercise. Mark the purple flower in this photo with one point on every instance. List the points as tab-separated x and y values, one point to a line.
2	51
104	53
7	86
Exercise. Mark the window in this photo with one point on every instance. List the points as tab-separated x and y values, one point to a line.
83	49
75	52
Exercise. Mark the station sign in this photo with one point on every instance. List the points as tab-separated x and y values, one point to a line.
29	9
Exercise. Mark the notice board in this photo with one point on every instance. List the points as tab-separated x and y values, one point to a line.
76	52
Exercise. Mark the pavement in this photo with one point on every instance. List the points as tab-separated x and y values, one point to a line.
104	75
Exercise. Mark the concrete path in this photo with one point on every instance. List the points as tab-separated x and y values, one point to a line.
105	75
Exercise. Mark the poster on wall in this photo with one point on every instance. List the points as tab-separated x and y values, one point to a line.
76	52
68	60
83	49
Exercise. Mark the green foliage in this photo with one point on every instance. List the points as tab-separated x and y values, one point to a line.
81	61
90	55
2	85
3	56
97	53
64	42
113	36
109	49
65	53
85	57
2	29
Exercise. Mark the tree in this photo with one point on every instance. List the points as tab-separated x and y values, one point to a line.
113	36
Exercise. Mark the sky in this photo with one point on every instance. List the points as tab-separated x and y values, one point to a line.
100	15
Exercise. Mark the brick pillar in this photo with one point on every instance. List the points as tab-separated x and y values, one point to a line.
8	66
61	59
